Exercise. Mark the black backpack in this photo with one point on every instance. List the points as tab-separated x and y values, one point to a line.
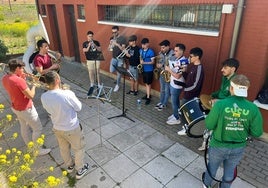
263	96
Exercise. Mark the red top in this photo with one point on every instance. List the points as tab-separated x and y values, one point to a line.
14	86
42	61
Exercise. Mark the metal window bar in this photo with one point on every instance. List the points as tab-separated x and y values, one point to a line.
201	17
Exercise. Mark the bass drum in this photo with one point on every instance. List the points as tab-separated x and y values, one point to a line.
193	114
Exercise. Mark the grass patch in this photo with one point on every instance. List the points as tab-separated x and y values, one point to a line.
15	24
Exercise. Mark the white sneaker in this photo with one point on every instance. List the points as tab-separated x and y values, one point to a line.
116	88
43	151
173	121
202	147
170	117
157	105
182	132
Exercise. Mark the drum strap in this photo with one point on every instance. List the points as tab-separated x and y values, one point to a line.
206	164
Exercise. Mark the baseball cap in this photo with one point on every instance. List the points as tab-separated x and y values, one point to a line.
144	41
240	90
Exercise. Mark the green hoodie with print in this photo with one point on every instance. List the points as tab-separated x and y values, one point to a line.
232	120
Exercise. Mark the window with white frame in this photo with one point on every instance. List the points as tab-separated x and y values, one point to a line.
81	12
200	17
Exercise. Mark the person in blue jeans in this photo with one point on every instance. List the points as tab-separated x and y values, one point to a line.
231	121
176	83
165	54
117	45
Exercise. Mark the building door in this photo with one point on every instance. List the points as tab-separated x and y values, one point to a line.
72	31
56	41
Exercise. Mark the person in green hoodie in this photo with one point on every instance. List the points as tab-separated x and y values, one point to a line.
232	120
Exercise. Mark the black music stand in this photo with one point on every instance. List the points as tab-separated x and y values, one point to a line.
125	72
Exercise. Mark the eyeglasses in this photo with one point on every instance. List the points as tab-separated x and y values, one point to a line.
114	32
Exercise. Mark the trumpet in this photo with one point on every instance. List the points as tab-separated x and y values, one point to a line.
92	45
123	53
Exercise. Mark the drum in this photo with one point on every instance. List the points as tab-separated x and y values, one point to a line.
205	100
193	112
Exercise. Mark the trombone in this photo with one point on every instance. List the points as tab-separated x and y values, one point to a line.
123	53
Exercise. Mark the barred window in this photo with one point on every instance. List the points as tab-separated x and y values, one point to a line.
81	12
199	17
43	10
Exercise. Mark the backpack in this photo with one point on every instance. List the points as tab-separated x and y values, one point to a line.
263	96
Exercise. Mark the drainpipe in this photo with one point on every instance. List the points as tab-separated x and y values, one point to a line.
238	19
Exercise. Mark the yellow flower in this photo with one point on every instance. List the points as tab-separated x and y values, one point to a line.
3	156
43	136
8	151
19	152
35	184
15	135
3	161
9	117
51	168
13	179
40	141
23	167
51	180
31	161
1	134
27	157
2	106
30	144
14	150
64	173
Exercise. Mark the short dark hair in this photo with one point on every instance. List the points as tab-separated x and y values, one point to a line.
40	43
197	52
90	33
164	43
132	38
144	41
181	46
115	27
50	77
14	63
231	62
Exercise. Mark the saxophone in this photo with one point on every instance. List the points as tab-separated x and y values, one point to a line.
166	74
140	67
157	70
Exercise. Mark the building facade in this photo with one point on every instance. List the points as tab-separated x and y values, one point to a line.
222	28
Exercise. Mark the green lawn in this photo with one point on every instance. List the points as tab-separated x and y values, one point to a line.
14	25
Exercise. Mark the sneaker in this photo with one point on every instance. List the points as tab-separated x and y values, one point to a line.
157	105
170	117
130	92
202	147
135	92
182	132
148	100
90	91
70	169
44	151
82	171
161	107
116	88
173	121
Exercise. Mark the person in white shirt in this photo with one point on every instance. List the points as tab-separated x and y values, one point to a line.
63	106
176	82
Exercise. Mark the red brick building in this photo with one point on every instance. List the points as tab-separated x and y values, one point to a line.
222	28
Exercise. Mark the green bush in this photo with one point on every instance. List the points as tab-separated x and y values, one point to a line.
3	51
17	20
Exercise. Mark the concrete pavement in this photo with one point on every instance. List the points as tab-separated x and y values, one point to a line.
141	154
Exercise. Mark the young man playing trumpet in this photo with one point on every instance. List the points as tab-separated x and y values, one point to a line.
92	49
117	45
133	57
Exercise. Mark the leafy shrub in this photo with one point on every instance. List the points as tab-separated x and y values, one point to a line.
17	20
3	50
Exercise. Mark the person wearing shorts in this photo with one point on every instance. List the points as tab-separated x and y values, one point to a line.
133	57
